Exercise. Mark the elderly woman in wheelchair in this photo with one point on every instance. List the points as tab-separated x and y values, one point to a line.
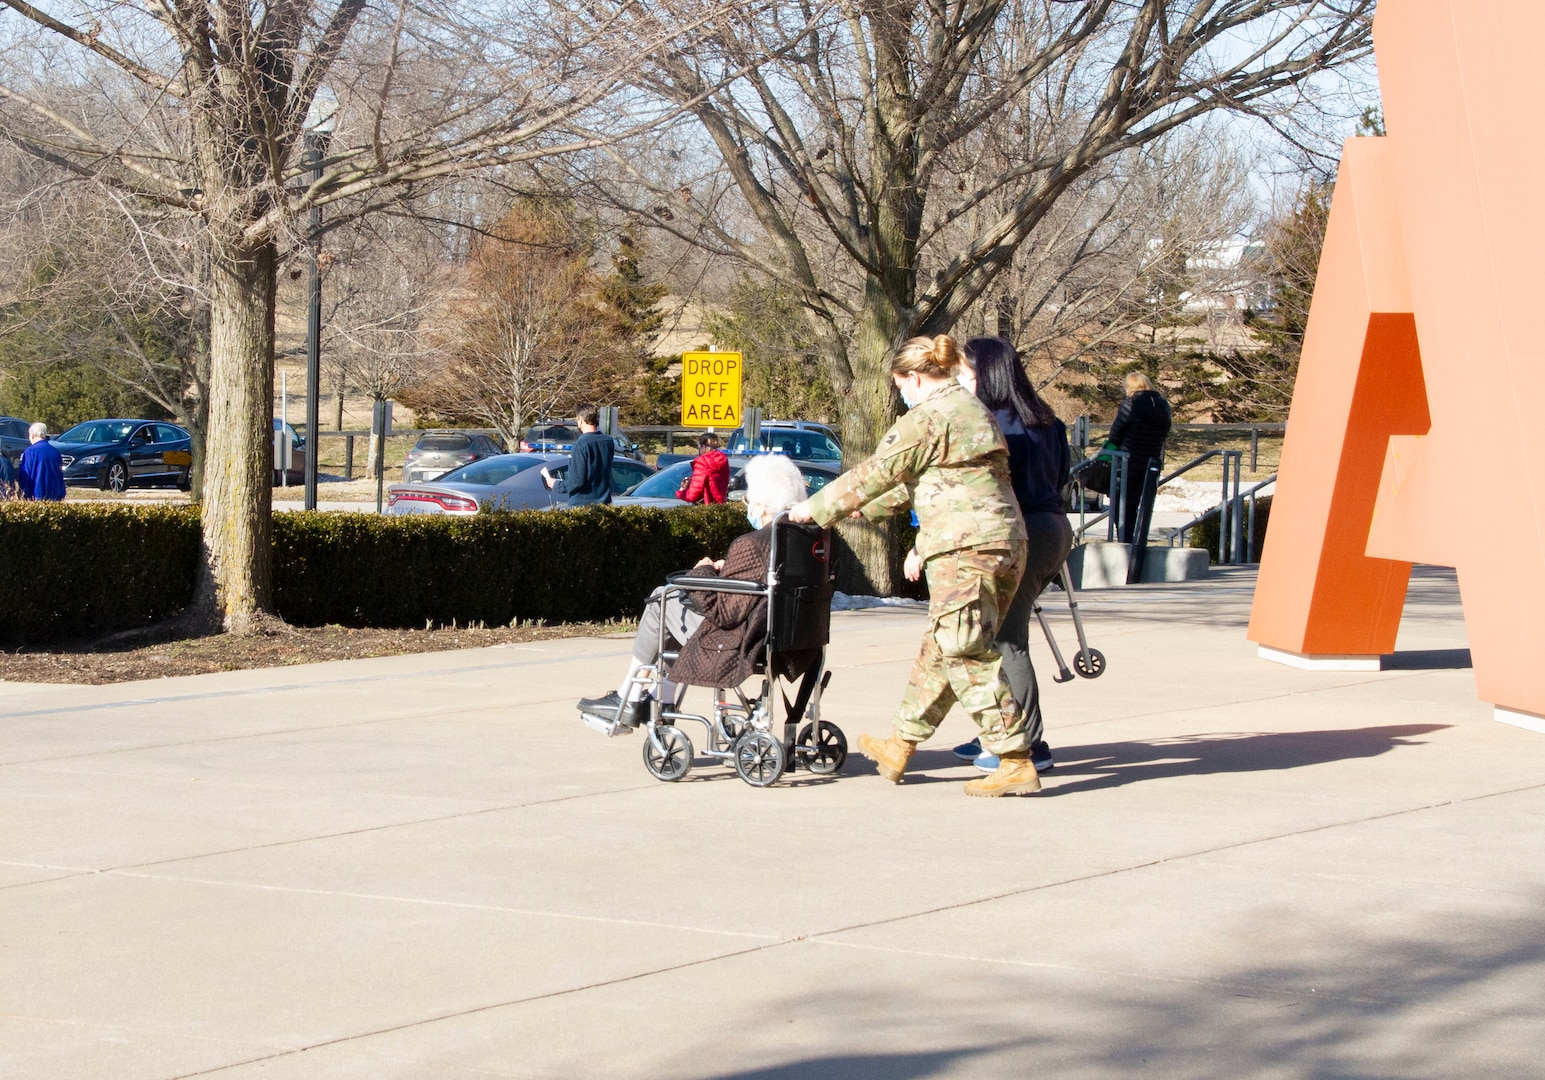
764	609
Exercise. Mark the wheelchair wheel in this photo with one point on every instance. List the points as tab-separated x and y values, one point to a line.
1090	663
828	748
759	759
672	759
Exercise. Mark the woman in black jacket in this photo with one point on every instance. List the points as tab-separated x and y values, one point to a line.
1038	468
1142	424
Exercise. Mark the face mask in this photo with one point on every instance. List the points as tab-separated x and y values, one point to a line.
906	395
967	380
754	517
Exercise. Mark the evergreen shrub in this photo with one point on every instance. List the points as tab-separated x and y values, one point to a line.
79	569
70	570
1205	535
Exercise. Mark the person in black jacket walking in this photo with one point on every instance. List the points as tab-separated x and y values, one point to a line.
589	479
1038	468
1142	424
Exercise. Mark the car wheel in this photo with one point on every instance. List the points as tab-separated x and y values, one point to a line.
117	477
185	481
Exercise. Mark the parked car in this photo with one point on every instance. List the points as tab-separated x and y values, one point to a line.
14	439
506	482
559	436
801	440
118	454
438	452
295	471
660	489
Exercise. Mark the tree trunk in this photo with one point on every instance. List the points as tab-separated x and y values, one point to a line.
235	583
869	560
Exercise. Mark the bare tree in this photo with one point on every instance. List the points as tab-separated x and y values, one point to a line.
199	108
531	336
842	165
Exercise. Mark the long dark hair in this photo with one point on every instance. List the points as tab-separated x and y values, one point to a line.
1001	382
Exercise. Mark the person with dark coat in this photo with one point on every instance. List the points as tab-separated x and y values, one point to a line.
1038	468
1141	426
719	634
589	479
710	479
8	489
41	475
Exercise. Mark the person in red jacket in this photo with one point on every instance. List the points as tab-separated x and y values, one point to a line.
710	479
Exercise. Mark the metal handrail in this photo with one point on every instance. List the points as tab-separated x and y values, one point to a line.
1085	525
1249	543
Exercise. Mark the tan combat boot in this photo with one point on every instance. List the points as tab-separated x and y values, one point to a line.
891	754
1016	773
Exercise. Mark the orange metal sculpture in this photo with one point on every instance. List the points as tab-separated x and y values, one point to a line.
1416	427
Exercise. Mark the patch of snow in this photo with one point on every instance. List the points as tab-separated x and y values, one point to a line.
1184	496
844	602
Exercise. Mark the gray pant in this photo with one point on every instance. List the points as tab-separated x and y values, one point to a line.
1051	538
681	622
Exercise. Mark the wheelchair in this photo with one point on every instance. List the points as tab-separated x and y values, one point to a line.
760	740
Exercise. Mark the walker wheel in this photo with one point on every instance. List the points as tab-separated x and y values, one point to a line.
827	751
1090	663
672	758
759	759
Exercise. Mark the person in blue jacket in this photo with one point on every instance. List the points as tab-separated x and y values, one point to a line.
41	475
1038	468
7	478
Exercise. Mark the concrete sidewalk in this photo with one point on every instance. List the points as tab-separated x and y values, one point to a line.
425	867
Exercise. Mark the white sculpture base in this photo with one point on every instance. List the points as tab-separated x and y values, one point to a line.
1320	663
1519	719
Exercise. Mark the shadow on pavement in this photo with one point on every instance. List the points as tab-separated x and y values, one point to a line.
1425	660
1102	765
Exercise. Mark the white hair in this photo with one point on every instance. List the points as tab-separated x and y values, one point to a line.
774	481
38	430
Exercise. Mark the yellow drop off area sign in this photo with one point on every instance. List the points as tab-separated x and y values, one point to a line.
710	389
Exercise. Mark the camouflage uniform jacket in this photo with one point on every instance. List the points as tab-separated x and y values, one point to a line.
946	458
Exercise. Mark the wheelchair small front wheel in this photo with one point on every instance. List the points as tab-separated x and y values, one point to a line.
828	747
1090	663
759	759
667	752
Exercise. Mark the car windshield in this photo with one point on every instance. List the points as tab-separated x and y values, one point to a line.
557	433
99	431
444	442
663	484
491	471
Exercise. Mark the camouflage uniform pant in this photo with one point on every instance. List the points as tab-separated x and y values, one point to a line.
970	591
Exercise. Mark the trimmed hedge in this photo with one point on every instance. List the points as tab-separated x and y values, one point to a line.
1205	535
595	563
78	569
75	570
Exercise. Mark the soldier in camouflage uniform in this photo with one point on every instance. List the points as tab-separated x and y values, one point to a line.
947	459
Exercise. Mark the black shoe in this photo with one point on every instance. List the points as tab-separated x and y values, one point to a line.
1040	757
637	712
605	707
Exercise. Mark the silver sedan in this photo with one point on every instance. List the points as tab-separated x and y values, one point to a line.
505	482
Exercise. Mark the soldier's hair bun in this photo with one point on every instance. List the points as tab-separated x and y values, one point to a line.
936	356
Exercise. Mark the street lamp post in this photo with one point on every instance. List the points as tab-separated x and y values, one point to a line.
319	129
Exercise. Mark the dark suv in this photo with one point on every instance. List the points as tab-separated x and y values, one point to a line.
438	452
116	454
801	440
559	437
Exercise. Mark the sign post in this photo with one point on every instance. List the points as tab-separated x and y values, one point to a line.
710	389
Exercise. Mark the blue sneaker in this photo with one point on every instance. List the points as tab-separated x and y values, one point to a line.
986	762
1040	757
969	751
